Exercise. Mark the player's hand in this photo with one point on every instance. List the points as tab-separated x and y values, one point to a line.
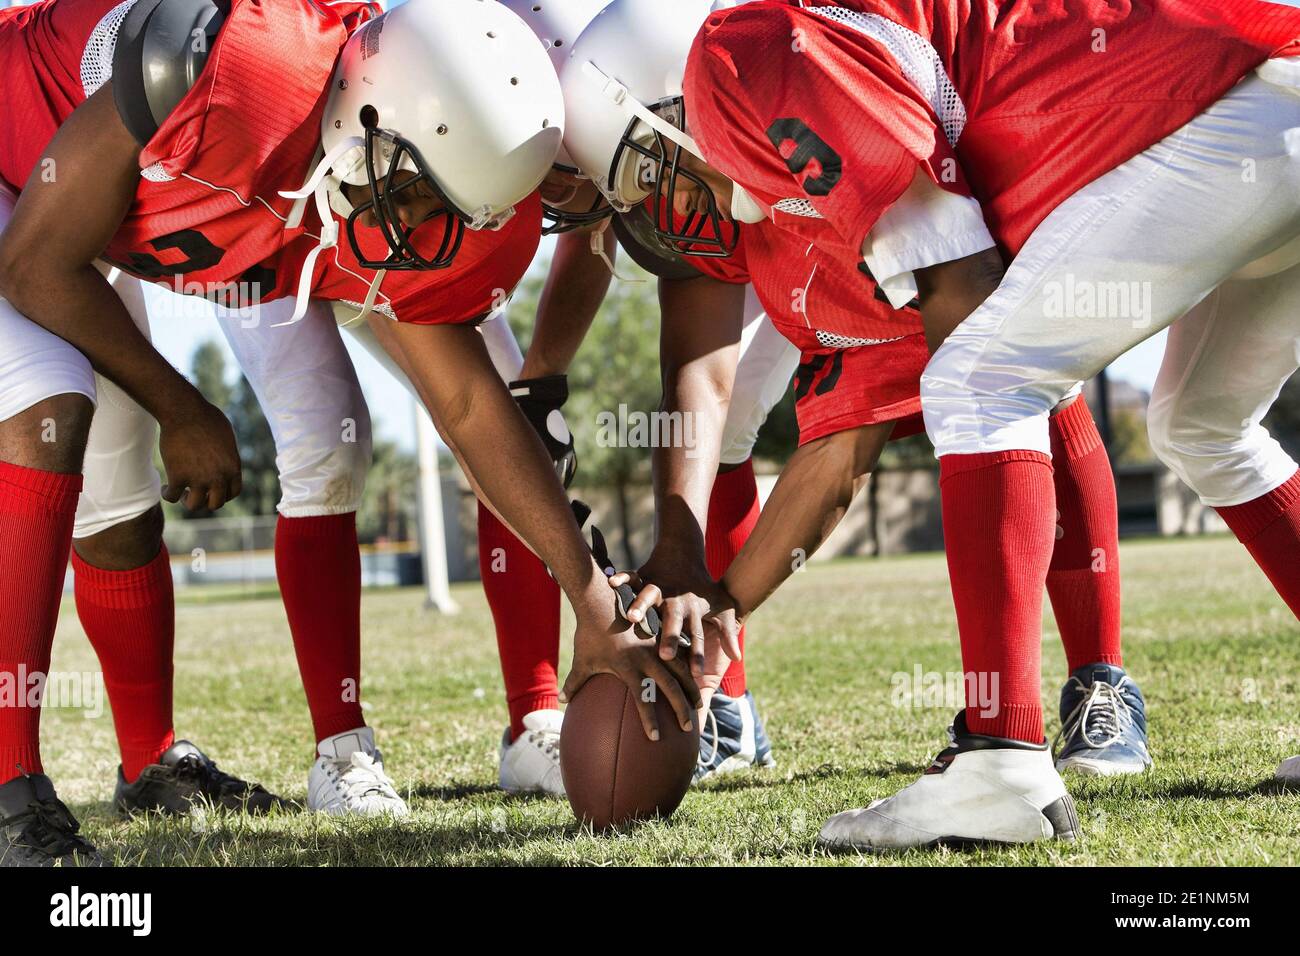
685	595
721	642
606	644
199	455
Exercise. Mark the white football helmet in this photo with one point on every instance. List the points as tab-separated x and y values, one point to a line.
557	23
626	124
458	91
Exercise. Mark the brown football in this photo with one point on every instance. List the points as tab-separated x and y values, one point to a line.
613	772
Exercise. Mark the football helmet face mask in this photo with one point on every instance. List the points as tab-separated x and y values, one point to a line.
660	164
626	119
460	95
384	203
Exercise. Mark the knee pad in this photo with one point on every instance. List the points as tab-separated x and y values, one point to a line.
36	365
1223	467
323	463
120	479
970	409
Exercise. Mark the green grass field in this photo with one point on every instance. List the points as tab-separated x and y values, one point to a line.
1214	650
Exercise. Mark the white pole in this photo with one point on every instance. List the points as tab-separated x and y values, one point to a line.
433	538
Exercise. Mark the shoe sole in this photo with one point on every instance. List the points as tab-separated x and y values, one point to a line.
1061	814
1100	768
737	764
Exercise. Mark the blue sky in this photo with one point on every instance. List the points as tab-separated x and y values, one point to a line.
390	405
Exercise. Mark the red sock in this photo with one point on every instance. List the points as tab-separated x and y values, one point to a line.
36	512
1269	527
733	512
1083	581
525	603
998	510
318	565
130	619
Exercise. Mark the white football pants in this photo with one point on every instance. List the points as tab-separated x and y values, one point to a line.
1200	232
306	384
120	481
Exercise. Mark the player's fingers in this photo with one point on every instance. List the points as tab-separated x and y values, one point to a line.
731	639
695	630
216	496
173	490
645	703
669	683
681	669
196	497
620	578
236	484
649	596
727	630
572	684
670	632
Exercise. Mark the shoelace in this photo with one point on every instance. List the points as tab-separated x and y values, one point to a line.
1101	718
547	741
361	776
711	730
52	829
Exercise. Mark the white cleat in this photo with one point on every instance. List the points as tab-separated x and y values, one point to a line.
1288	773
531	763
348	778
980	790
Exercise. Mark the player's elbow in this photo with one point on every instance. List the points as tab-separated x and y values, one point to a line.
13	283
25	280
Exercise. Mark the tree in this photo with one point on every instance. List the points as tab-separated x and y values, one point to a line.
386	512
252	435
1129	444
256	451
1283	421
208	371
614	376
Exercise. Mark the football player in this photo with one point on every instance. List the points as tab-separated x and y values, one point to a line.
859	380
304	123
696	542
1146	149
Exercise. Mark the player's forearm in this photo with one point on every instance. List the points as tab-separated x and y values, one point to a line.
575	288
698	352
526	494
81	307
74	201
685	467
813	493
508	463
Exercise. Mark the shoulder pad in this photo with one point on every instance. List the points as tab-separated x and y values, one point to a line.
636	235
161	49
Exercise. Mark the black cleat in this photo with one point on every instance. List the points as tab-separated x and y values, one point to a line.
184	777
36	829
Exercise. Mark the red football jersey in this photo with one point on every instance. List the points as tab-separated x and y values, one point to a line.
812	297
861	359
824	109
208	210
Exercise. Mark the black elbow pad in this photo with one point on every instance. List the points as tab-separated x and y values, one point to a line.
162	47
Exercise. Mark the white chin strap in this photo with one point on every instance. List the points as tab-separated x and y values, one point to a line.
318	186
619	95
